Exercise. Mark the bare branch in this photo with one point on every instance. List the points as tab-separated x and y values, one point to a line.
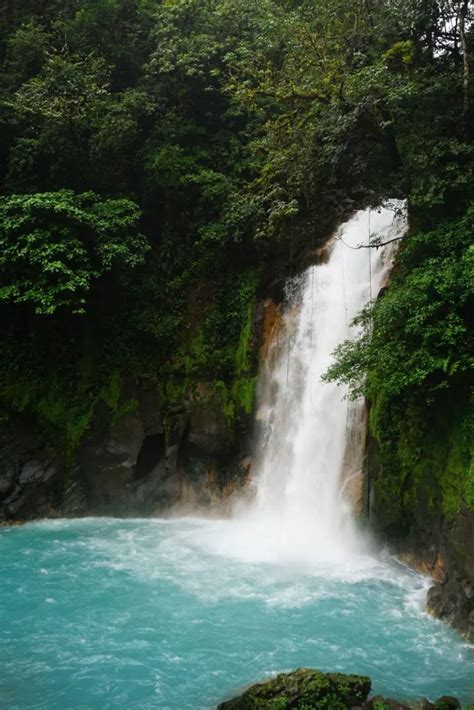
373	245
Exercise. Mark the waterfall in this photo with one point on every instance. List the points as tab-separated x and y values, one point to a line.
311	437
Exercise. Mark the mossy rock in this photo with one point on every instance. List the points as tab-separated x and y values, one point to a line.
447	703
303	689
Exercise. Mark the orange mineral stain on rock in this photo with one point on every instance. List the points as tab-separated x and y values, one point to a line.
271	325
435	568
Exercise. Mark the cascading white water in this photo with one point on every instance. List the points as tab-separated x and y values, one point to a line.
311	436
310	423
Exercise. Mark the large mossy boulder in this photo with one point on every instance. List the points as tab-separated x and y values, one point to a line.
303	689
308	689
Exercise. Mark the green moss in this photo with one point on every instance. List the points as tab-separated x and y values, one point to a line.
218	362
243	351
244	386
401	54
110	392
305	689
243	392
63	400
63	407
197	356
457	476
61	388
279	703
424	458
63	420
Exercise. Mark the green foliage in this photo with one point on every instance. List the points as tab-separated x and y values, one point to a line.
400	56
66	92
424	458
349	99
220	350
417	336
305	689
232	135
54	246
245	383
26	52
413	361
60	397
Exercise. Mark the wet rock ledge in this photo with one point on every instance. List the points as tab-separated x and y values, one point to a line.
308	689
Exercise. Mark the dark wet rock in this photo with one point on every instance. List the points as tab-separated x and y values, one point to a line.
7	476
451	599
107	458
446	702
303	688
15	501
206	430
33	481
36	472
380	703
140	459
175	428
152	459
150	455
74	497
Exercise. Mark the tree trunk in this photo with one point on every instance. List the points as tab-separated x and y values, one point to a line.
465	79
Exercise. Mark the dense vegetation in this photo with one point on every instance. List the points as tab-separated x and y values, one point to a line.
413	361
162	160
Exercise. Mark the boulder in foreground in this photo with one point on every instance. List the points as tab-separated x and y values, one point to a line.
304	688
308	689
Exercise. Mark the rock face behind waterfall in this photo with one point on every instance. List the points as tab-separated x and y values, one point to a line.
144	462
308	689
154	450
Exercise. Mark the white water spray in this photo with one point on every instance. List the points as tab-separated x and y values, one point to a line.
311	437
314	432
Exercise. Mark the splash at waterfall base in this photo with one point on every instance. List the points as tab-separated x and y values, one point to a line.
151	613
